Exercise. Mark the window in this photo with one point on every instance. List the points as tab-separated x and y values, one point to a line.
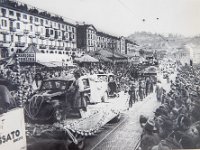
47	22
4	37
58	26
73	30
3	11
11	13
31	19
66	35
18	16
18	25
11	24
36	19
51	32
41	22
12	38
24	16
4	23
63	26
19	38
31	27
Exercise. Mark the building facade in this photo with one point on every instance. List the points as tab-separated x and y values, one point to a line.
22	25
122	45
107	41
130	46
86	37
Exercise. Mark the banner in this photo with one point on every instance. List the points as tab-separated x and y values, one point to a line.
26	57
12	130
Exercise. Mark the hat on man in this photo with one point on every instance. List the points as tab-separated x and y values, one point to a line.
150	125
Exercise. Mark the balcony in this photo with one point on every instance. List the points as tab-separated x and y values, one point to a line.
26	31
4	43
12	29
19	44
33	43
67	49
60	48
42	46
59	38
52	47
37	33
63	38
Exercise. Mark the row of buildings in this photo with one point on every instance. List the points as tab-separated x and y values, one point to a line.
22	25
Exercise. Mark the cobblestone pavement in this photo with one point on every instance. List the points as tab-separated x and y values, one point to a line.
125	134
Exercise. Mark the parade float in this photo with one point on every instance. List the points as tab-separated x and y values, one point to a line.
49	112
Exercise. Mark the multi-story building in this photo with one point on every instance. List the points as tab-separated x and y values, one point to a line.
130	46
122	45
22	25
107	41
86	37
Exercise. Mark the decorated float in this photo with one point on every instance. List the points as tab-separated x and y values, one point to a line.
49	113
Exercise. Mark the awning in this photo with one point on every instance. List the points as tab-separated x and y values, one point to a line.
50	64
86	58
31	49
111	55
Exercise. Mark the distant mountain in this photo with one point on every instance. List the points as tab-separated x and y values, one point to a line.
152	42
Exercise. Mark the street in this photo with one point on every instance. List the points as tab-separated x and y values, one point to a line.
126	133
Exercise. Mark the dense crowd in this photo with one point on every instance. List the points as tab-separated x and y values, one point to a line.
22	83
176	124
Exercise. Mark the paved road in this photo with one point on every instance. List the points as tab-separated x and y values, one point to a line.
125	134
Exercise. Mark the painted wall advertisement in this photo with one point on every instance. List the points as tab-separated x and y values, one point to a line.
12	130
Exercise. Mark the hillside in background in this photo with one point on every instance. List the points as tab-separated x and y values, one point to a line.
151	42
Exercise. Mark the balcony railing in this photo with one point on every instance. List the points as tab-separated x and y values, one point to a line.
33	43
12	29
60	48
42	46
37	33
20	44
26	31
67	49
52	47
4	43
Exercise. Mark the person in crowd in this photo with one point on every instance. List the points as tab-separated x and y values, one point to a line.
112	86
132	94
7	102
38	79
79	103
159	91
177	118
149	138
141	94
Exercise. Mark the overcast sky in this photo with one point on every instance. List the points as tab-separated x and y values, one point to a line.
123	17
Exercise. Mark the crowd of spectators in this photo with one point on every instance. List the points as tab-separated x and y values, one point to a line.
30	78
176	123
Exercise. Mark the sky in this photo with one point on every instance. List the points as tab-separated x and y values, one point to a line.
124	17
